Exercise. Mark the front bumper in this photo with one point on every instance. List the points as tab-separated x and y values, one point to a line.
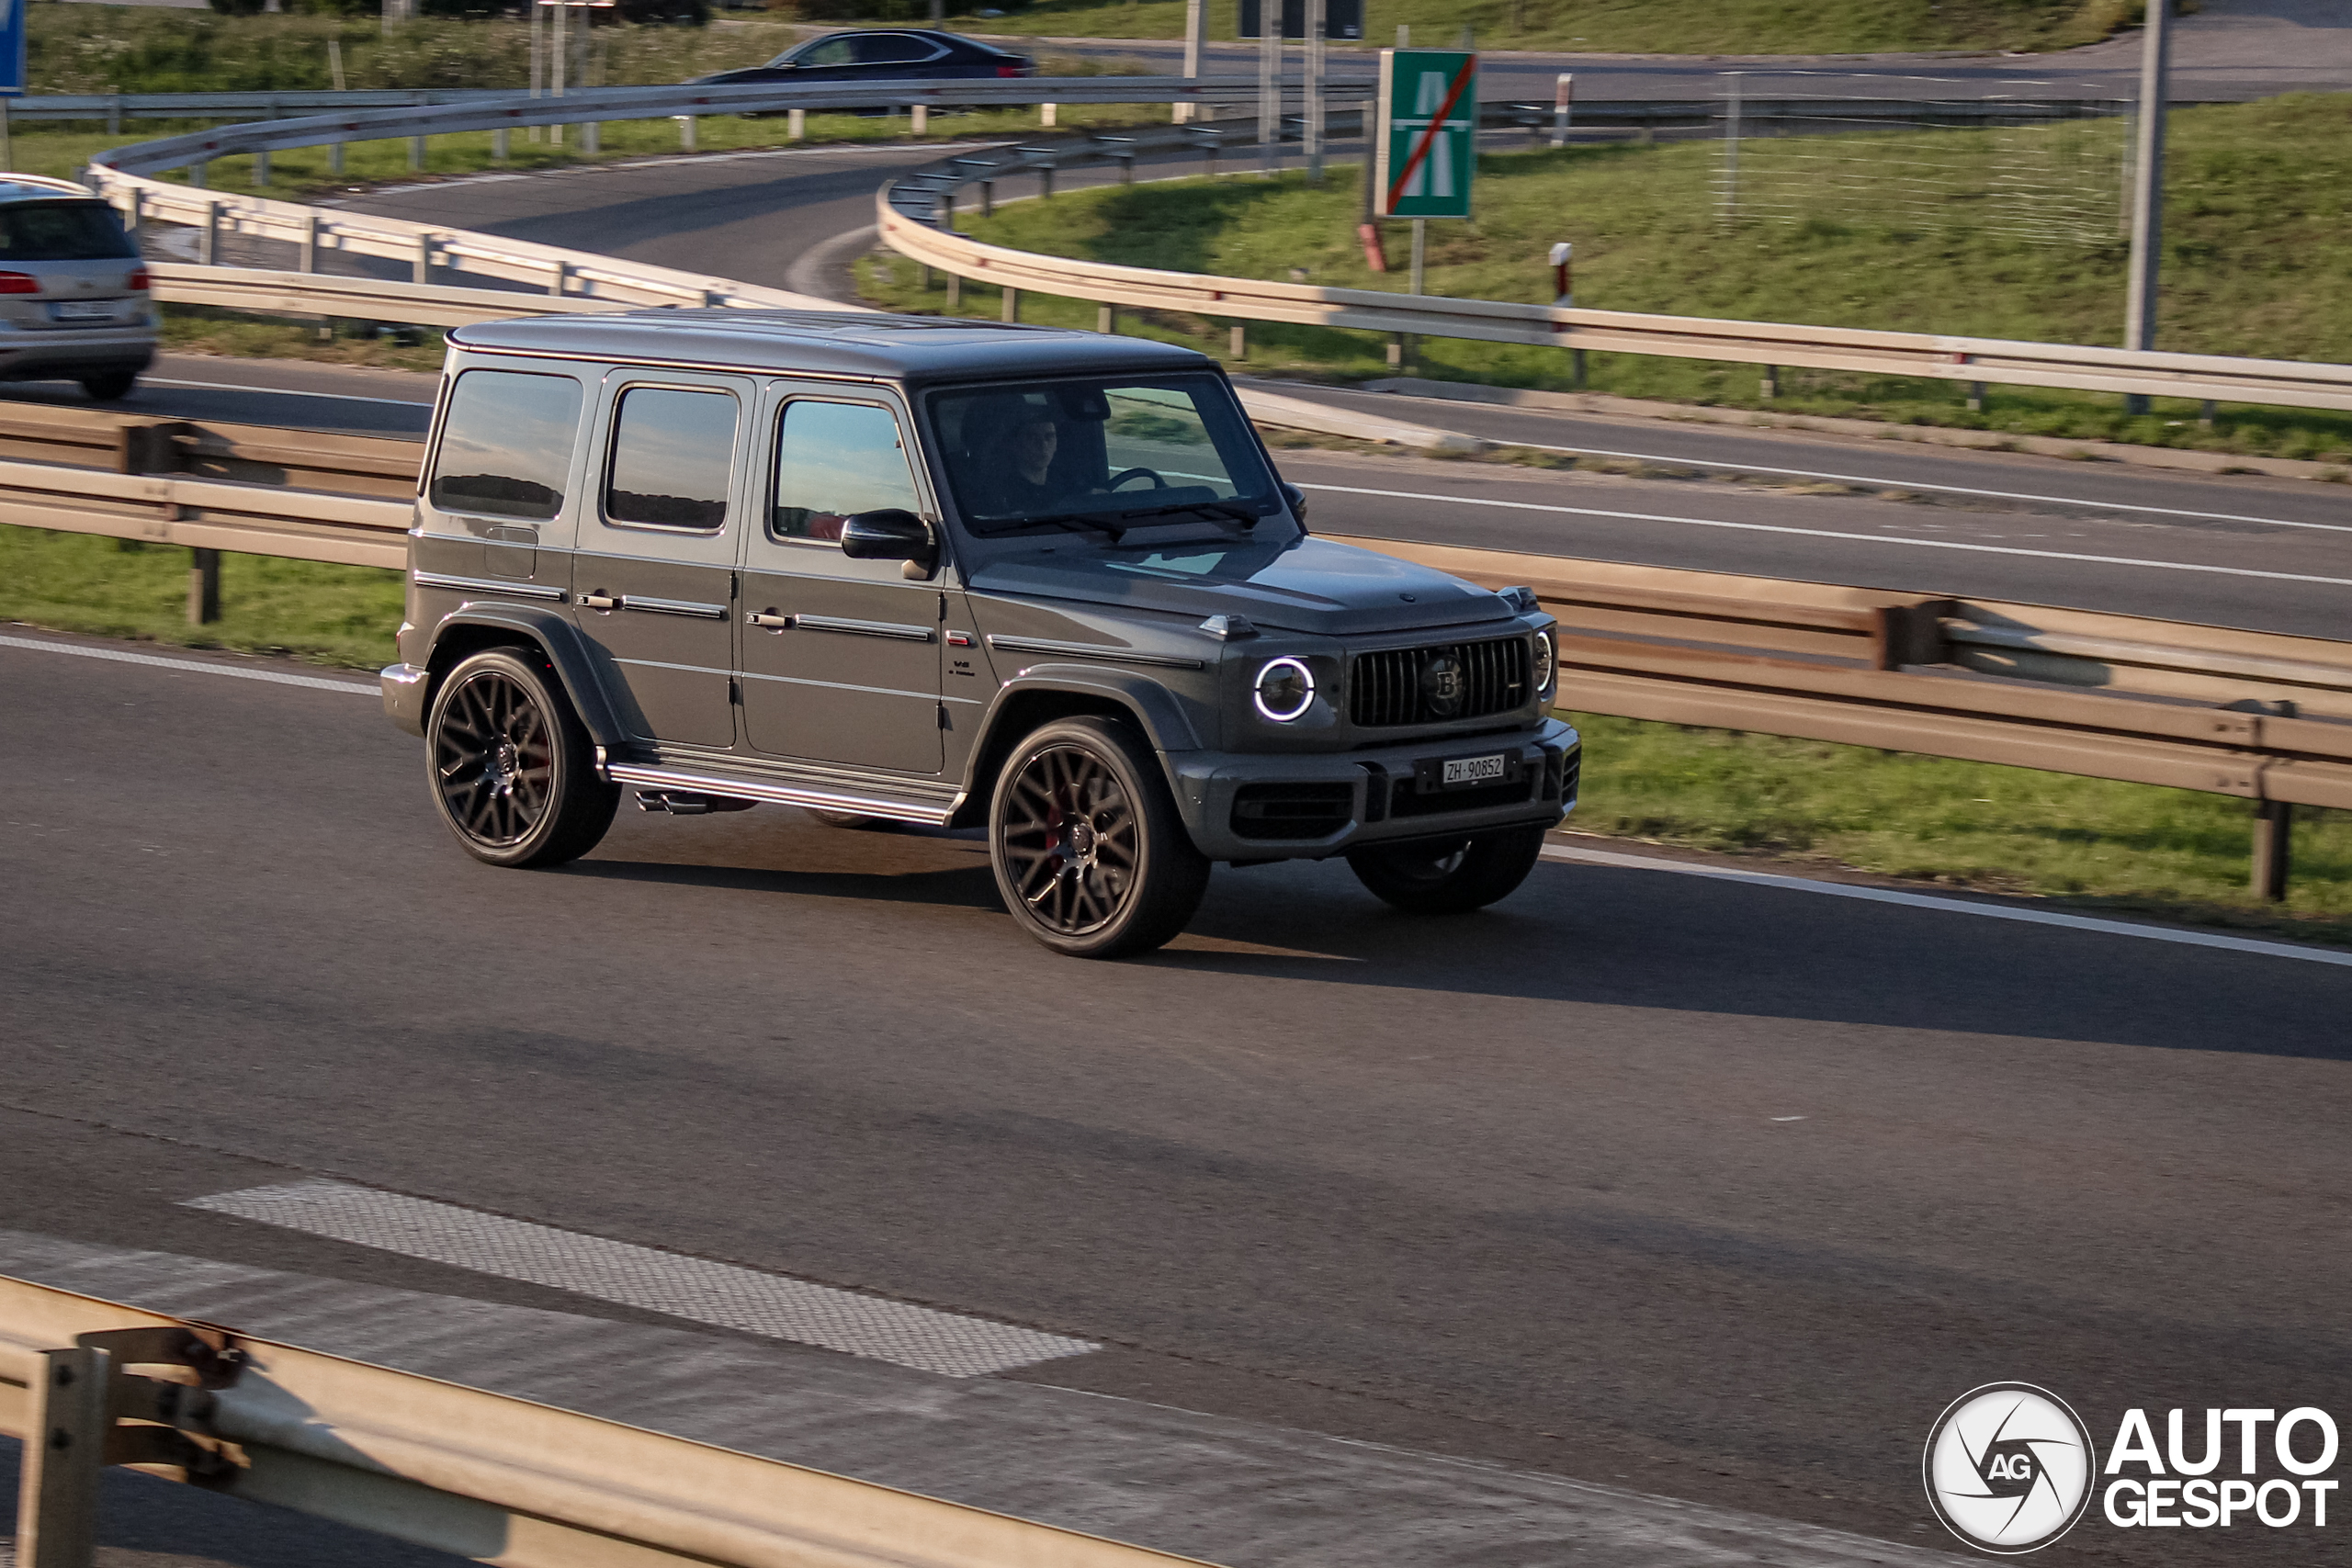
403	687
1258	807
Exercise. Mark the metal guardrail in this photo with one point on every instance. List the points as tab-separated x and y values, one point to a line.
2259	715
459	1470
912	221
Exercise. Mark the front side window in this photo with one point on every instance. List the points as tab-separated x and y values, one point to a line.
674	451
62	231
507	444
827	52
833	461
1108	450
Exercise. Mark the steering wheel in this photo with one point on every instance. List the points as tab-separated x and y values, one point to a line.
1123	475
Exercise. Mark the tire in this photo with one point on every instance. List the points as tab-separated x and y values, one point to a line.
512	769
109	385
1450	878
1089	854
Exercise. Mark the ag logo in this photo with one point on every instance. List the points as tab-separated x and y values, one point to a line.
2010	1468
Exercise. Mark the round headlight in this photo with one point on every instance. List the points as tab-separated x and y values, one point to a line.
1546	664
1285	688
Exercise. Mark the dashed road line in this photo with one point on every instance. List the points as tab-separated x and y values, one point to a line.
723	1295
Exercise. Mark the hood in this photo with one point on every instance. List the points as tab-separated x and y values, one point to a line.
1307	585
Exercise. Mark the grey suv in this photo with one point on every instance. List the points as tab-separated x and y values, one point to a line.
74	294
913	570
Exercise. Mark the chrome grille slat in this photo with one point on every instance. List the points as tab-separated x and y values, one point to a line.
1386	687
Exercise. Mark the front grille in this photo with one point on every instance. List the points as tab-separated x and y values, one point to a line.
1419	685
1291	810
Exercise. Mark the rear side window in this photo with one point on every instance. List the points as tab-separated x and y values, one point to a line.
834	459
506	446
62	231
672	451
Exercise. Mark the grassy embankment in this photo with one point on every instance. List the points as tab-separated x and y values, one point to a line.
2258	260
2124	847
101	49
1633	26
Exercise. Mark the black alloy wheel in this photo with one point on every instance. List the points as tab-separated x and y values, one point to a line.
513	772
1088	853
1449	877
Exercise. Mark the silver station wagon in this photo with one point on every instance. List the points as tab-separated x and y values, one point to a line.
74	301
905	569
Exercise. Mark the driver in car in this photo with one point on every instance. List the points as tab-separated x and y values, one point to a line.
1024	482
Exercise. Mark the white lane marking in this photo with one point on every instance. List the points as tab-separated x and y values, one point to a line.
286	392
720	1294
192	666
1832	534
1941	490
1951	906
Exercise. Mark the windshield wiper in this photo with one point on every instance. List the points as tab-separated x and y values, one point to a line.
1101	524
1229	509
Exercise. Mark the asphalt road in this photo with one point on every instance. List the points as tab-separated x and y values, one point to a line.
1718	1192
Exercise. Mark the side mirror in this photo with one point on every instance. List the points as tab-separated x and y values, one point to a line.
891	533
1297	499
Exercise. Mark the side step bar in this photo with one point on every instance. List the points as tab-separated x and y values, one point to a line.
676	781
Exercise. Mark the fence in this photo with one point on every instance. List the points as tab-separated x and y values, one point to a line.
455	1469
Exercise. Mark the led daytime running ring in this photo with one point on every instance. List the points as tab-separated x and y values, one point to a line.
1271	669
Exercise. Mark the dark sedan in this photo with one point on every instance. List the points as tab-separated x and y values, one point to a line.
883	54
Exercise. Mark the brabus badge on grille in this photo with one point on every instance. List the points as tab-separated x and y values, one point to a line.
1442	684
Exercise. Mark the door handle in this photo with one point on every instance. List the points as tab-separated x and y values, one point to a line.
599	602
768	623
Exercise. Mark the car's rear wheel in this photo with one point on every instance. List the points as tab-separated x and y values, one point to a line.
1088	853
1449	877
109	385
513	769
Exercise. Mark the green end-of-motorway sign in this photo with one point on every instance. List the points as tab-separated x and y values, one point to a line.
1426	145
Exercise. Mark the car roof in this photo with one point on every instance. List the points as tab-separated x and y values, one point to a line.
41	188
936	35
913	349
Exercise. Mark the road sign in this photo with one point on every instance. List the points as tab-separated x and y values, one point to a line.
1426	147
12	46
1341	18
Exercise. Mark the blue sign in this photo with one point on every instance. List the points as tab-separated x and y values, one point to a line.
12	45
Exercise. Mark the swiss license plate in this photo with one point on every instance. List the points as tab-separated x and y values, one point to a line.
1457	773
81	311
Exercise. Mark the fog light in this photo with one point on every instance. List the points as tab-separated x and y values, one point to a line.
1285	689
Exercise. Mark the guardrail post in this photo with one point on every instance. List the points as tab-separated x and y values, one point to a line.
203	587
199	172
416	152
261	168
310	241
686	124
2274	834
423	270
137	223
1046	181
1769	387
209	247
954	292
592	136
795	124
1106	320
64	1453
334	159
1012	304
919	119
987	199
561	281
1977	397
498	145
1239	341
1049	114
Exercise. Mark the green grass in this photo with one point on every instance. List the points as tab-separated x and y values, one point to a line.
2086	841
1641	26
79	582
201	329
2258	260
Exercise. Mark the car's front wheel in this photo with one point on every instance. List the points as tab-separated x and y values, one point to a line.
106	386
513	769
1088	853
1450	876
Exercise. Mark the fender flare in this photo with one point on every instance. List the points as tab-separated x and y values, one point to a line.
1163	720
564	647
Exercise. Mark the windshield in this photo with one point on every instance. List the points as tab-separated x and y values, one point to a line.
1112	451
